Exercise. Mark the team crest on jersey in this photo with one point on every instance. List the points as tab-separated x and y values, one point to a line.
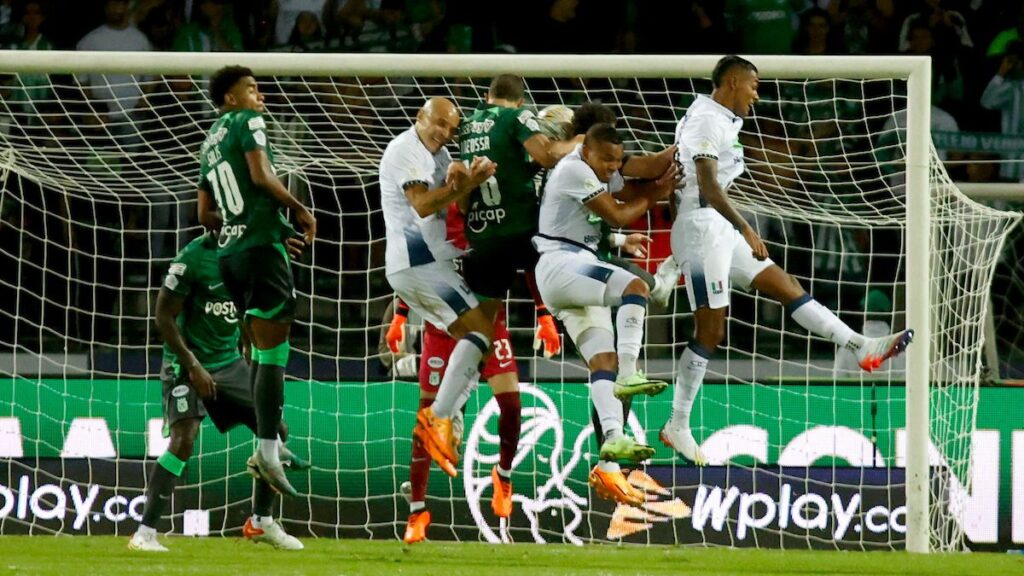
435	362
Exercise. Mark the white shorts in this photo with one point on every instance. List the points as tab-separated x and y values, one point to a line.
714	257
579	289
435	291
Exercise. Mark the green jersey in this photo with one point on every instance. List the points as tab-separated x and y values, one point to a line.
252	217
208	321
506	204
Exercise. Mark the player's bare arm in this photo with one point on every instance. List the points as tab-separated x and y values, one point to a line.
649	166
168	307
619	214
262	175
209	216
707	168
659	188
548	152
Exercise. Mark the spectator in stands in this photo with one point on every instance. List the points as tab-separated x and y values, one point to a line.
1002	40
815	37
762	27
863	25
307	35
1005	92
117	94
212	29
949	27
29	89
159	21
8	22
372	26
287	13
947	81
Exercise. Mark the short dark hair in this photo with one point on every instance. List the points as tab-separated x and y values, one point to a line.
506	87
589	114
224	79
603	132
726	64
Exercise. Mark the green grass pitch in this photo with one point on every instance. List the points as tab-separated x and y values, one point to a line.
80	556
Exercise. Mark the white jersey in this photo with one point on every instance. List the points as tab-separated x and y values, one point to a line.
565	221
708	130
411	240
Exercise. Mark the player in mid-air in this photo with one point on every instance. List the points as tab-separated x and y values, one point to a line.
237	184
718	248
418	182
580	289
499	371
204	373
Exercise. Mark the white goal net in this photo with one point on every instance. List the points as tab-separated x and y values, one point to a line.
99	193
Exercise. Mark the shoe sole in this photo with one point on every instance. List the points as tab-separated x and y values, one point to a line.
870	364
429	436
605	493
436	455
281	486
664	440
498	506
637	454
650	388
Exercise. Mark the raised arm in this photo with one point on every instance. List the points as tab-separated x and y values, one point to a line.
548	152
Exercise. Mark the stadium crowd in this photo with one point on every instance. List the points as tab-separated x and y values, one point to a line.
978	86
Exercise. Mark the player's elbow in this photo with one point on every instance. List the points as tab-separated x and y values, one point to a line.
422	208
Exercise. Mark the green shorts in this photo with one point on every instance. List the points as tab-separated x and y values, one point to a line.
233	405
260	282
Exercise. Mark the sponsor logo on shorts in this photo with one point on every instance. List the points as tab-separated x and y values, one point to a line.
180	390
505	364
435	362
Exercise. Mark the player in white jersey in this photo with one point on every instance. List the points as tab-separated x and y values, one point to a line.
717	248
418	181
580	290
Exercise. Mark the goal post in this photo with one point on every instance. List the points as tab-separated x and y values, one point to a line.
910	211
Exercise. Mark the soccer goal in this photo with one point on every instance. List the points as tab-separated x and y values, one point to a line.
98	159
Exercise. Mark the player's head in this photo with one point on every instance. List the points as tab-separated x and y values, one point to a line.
590	114
234	88
436	123
735	80
506	88
602	150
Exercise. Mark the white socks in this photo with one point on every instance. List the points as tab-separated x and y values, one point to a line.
820	321
609	408
268	450
463	369
693	364
261	521
415	507
629	325
143	529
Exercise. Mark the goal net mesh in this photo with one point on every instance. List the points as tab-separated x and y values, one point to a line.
99	193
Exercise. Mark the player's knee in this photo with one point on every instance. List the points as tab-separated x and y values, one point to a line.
604	361
183	439
710	335
637	287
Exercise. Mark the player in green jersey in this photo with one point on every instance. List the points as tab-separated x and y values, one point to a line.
204	374
240	194
501	215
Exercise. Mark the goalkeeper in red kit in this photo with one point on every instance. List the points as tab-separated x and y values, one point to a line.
500	372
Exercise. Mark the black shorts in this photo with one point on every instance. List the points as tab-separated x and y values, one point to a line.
490	268
233	405
260	282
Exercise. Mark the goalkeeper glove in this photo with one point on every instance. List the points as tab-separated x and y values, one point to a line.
397	331
547	334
